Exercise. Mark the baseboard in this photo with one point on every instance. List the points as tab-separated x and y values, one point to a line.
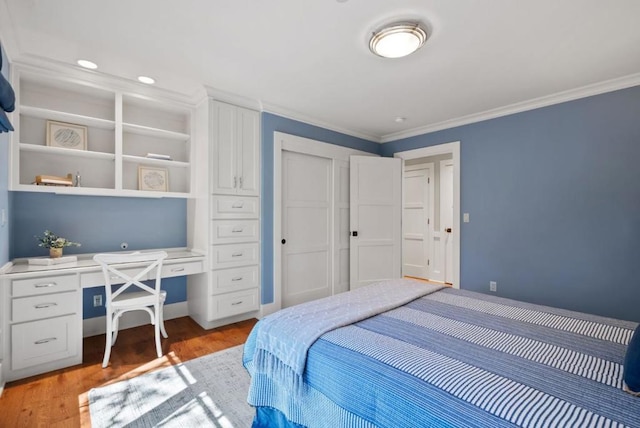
98	325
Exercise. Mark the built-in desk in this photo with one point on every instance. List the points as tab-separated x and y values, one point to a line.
41	309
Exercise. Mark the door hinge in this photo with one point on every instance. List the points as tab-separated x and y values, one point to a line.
428	221
428	262
428	180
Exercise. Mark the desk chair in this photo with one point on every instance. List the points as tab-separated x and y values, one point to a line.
147	299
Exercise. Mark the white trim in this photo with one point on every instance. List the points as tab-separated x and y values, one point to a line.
545	101
97	325
230	98
441	149
293	143
289	114
6	268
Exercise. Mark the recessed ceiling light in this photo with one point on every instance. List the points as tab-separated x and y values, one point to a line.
147	80
400	119
398	39
87	64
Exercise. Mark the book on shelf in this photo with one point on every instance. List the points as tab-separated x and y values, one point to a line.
53	180
158	156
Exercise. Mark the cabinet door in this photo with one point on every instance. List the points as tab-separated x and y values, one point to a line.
248	132
224	178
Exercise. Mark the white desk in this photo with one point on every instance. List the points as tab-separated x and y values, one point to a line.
41	309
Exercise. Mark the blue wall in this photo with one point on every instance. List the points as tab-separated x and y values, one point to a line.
554	202
100	224
4	178
270	124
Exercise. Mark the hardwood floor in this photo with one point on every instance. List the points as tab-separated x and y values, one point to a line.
59	398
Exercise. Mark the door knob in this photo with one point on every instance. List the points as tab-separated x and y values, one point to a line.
354	233
448	230
284	241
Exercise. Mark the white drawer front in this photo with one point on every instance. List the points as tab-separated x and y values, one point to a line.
40	342
43	285
94	279
231	231
46	306
223	256
236	279
234	207
226	305
180	269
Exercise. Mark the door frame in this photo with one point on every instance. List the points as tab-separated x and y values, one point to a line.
293	143
452	148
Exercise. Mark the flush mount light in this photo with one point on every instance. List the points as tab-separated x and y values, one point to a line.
398	39
87	64
147	80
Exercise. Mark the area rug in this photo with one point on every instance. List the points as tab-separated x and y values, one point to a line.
208	391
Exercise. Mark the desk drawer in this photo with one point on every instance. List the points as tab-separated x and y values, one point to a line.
231	231
227	256
47	306
235	279
226	305
43	285
95	279
180	269
40	342
234	207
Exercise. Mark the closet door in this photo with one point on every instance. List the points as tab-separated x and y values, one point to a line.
376	212
306	228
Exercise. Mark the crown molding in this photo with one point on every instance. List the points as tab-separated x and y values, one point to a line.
557	98
231	98
289	114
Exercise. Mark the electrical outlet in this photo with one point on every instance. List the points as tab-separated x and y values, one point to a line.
493	286
97	300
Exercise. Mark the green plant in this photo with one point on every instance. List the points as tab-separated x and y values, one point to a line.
51	240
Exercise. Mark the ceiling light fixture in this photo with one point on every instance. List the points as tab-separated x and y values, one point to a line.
398	39
87	64
146	80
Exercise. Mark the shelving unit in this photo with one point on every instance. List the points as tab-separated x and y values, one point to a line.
122	128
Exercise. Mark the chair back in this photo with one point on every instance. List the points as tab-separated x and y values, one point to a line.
113	265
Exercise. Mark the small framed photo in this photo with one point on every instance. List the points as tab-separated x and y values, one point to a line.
66	135
154	179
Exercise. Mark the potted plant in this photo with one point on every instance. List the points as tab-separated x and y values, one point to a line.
54	243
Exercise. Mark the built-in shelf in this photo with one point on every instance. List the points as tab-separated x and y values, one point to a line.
122	126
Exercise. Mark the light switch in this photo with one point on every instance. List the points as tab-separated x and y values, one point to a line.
465	217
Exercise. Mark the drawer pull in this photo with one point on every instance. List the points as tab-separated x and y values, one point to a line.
237	254
46	285
237	278
237	230
236	303
237	205
45	305
178	269
43	341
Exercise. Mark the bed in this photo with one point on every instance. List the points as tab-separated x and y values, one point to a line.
408	354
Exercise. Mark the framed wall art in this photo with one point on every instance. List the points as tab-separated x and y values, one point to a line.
153	179
66	135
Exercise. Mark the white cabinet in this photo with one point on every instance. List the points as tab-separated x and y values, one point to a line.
114	130
230	290
42	323
235	138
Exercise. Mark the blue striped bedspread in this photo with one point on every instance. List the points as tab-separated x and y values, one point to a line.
461	359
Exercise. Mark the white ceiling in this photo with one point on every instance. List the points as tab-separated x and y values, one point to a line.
309	59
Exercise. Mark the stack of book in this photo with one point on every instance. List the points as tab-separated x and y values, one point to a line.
158	156
52	180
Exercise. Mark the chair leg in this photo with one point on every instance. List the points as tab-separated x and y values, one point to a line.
161	320
116	328
156	328
108	341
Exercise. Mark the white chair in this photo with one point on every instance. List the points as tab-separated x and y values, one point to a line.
147	299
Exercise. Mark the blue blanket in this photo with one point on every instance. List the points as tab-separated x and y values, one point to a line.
460	359
283	338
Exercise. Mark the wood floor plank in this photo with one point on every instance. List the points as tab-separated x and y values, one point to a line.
60	398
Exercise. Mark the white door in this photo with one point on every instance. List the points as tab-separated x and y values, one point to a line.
341	226
417	221
375	219
446	217
306	228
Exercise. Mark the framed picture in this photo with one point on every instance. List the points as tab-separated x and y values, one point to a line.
154	179
66	135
